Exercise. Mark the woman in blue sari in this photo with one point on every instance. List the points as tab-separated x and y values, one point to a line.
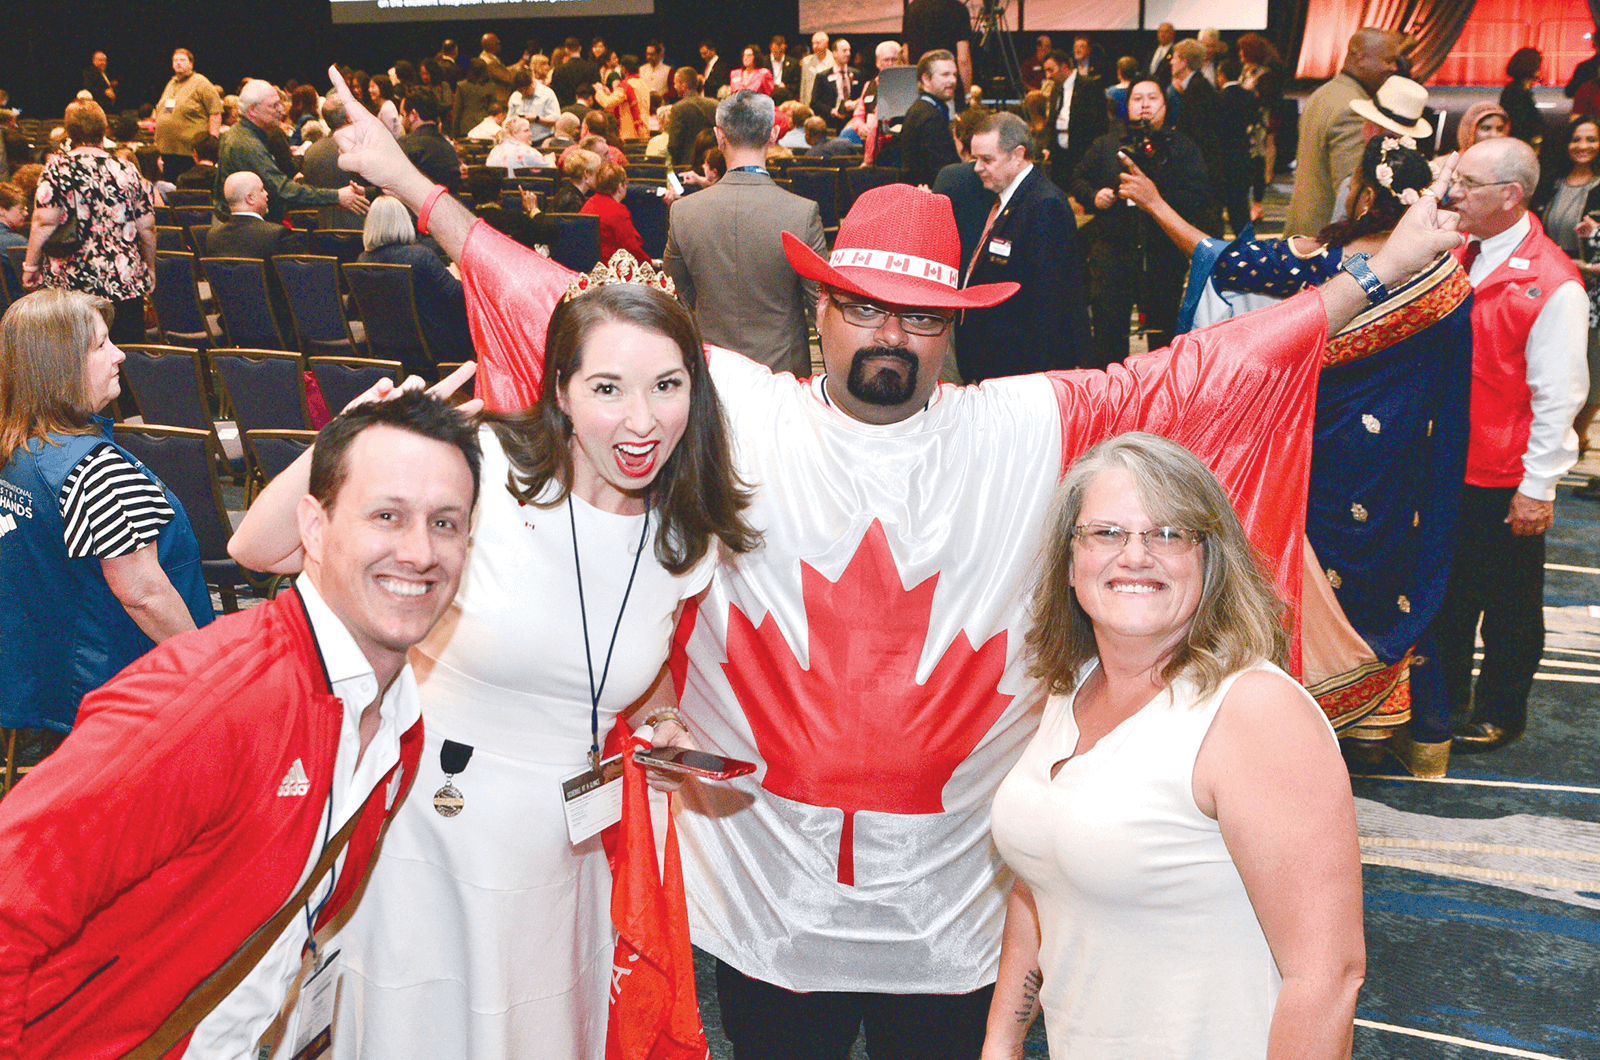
1387	460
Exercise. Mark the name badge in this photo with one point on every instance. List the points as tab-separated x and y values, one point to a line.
1520	263
1000	247
172	105
311	1032
592	801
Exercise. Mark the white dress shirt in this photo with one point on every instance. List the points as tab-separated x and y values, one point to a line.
234	1027
1162	51
1016	182
1064	116
1558	374
539	106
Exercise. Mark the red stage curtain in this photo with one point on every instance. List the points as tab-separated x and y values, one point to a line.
1497	28
1329	23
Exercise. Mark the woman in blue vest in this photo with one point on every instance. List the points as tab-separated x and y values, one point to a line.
82	593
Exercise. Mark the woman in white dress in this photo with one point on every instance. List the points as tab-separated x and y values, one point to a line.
484	931
1188	881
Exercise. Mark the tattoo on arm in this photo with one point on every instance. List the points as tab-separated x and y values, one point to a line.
1030	997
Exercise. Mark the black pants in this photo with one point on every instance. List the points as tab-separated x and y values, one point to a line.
767	1022
1499	577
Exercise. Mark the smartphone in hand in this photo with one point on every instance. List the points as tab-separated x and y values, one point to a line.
693	763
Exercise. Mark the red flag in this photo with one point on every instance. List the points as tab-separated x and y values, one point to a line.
654	1013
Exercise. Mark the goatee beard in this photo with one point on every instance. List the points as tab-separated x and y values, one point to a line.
882	385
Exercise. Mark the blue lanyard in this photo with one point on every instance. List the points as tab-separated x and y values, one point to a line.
333	876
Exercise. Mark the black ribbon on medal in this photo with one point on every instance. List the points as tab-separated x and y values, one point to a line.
453	759
583	616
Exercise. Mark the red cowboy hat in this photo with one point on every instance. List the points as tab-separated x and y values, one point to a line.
898	245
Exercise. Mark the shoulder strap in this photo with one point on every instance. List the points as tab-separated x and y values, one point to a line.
220	983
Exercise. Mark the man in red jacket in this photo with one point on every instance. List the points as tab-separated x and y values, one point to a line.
191	805
1530	319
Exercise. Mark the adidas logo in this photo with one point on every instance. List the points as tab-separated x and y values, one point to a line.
295	782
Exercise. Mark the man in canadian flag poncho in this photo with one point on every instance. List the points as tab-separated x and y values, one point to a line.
869	656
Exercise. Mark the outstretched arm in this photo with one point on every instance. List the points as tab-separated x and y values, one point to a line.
367	147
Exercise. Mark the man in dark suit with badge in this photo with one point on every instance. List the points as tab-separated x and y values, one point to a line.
1030	239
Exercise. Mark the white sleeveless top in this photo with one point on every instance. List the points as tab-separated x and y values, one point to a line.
1149	946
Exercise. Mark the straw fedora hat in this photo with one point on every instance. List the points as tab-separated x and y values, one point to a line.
1397	107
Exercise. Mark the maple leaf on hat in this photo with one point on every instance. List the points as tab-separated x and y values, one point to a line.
856	731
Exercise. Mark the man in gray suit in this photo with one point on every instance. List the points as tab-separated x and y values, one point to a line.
725	250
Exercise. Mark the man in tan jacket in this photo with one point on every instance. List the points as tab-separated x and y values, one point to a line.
1330	132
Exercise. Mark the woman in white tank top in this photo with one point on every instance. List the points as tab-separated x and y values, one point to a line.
1188	881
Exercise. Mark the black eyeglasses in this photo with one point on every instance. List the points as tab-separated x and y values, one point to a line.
1158	540
863	315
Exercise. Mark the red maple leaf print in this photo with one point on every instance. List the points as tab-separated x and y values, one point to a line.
856	731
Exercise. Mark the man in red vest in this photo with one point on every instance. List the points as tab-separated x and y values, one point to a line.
219	801
1529	329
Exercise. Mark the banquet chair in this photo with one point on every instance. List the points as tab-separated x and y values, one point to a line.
388	304
180	314
577	241
343	379
239	286
311	286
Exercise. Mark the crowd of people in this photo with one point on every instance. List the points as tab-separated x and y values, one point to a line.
1089	770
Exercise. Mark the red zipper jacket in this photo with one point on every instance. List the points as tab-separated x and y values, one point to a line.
160	835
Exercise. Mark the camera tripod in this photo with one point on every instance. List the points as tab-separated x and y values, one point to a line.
997	49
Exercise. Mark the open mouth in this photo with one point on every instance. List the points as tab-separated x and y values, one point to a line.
404	586
636	459
1136	588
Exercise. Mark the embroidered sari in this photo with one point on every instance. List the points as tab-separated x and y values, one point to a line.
1386	470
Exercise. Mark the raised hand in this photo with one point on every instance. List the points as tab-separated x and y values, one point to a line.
386	389
1425	231
367	147
1134	186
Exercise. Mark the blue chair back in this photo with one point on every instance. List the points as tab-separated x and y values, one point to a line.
649	212
341	243
343	379
577	241
168	382
821	186
859	180
189	197
239	287
182	458
197	238
181	317
169	237
276	450
189	216
265	387
311	285
388	304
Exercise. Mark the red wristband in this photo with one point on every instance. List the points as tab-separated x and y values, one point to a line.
427	209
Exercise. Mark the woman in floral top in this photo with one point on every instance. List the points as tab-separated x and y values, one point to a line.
116	221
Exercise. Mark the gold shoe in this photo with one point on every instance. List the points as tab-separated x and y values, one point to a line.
1429	760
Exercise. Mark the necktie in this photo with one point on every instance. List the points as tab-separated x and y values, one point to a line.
988	226
1473	248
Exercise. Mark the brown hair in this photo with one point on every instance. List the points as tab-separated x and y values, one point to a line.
609	177
1258	50
697	493
12	196
1239	619
45	339
85	123
925	64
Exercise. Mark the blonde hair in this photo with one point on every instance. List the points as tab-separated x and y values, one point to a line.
1239	619
388	221
45	338
580	164
511	128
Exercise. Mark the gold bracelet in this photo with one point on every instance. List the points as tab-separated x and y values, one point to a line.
667	714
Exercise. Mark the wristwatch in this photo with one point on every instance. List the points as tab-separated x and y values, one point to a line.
1356	265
